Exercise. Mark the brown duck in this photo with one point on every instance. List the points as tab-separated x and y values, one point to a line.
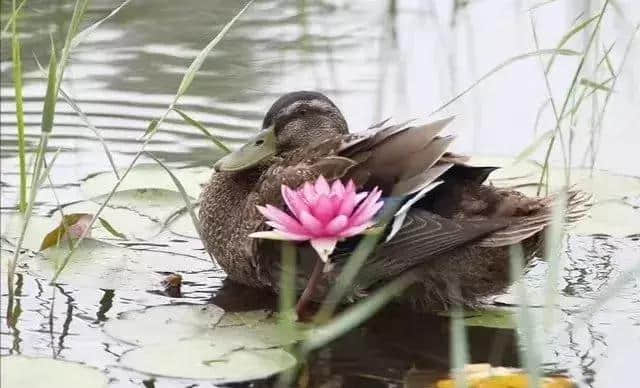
454	238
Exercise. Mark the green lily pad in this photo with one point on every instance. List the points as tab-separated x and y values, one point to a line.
494	318
207	359
148	176
99	264
204	342
157	324
248	329
183	226
37	229
21	372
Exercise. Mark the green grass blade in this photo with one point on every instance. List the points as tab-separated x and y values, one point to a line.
82	35
570	91
502	66
36	180
114	189
598	126
606	60
95	130
567	36
78	12
355	315
459	353
554	234
199	60
14	14
287	282
527	345
105	224
48	111
527	152
203	129
16	53
596	85
183	192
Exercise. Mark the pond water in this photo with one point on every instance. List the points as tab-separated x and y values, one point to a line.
375	59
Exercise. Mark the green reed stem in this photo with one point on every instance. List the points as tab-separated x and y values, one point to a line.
154	126
17	85
574	82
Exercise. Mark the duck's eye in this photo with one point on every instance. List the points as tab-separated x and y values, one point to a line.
303	112
259	142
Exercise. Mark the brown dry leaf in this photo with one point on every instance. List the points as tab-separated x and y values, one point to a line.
72	225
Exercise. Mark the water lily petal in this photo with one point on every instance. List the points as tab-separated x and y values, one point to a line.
324	247
336	225
369	201
337	188
294	201
309	193
323	209
348	203
278	235
321	186
355	230
366	214
282	228
272	213
311	224
361	196
350	186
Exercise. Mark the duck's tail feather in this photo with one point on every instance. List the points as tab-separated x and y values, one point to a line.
578	204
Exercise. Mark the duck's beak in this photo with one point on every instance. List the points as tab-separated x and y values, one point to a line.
257	149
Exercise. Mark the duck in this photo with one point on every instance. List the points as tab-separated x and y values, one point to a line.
453	236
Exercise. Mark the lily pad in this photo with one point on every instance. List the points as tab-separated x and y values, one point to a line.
147	176
208	359
37	229
155	325
183	226
20	372
249	329
203	342
494	318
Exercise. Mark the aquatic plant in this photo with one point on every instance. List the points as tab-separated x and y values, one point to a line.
321	214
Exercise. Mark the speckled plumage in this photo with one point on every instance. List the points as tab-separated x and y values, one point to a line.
455	239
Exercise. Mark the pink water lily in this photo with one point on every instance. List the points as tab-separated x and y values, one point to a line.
322	214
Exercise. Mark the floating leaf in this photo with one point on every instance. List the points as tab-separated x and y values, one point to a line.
148	176
206	359
21	372
203	342
72	225
495	318
252	329
155	325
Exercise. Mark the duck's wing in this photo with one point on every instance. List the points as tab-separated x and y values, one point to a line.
399	159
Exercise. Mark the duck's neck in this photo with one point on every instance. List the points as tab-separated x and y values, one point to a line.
226	224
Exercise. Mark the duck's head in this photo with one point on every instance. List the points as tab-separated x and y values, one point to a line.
293	121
